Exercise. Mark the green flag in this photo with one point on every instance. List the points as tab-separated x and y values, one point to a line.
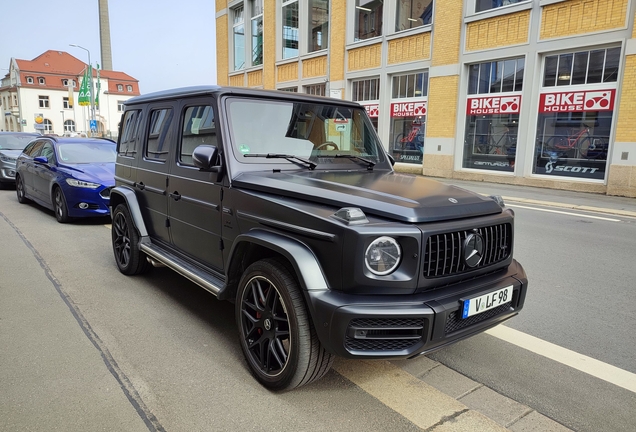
97	90
84	98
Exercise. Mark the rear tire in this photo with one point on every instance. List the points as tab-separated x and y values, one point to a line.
19	190
275	331
125	239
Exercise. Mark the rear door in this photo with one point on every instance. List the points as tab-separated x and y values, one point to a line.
45	173
27	168
194	203
152	170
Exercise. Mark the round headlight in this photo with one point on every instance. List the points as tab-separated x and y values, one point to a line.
383	256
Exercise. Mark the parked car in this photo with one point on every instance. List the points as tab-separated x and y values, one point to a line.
11	145
288	205
71	176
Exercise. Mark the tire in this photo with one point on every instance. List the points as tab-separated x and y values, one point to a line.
128	256
59	205
275	331
19	190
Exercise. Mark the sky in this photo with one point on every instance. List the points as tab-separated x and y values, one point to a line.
162	43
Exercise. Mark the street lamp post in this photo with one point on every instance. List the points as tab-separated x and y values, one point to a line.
63	127
90	81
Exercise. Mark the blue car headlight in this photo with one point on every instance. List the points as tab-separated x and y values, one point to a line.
82	184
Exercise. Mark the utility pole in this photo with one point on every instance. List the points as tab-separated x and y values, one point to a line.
90	80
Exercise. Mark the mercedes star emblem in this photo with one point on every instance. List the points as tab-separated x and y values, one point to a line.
473	250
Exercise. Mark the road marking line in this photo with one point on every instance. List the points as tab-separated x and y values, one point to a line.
565	213
596	368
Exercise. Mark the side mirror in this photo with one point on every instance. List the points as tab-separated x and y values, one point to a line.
205	157
41	160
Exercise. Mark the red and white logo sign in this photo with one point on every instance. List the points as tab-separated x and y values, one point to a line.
408	109
493	105
373	110
594	100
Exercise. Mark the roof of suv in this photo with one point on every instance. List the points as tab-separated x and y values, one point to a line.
213	89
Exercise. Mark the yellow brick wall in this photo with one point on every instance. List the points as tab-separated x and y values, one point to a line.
511	29
582	16
442	107
367	57
626	123
220	5
237	80
315	67
410	48
288	72
337	43
222	59
255	78
269	44
448	24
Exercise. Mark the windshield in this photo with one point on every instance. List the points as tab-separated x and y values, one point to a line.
321	133
87	153
14	142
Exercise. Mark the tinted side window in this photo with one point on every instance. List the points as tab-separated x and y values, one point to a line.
130	133
198	129
48	152
157	145
35	148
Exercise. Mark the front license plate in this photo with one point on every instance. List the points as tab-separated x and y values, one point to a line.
486	302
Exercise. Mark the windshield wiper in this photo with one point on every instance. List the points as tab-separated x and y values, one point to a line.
370	163
294	159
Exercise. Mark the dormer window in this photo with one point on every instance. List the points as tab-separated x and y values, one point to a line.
41	81
65	83
129	88
29	80
120	87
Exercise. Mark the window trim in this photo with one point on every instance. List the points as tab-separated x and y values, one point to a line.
472	16
30	80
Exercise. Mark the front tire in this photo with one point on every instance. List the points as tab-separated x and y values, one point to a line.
128	256
275	331
59	206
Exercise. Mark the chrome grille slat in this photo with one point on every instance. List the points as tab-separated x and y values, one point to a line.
443	253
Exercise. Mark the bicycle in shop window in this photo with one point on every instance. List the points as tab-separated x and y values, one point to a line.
414	140
495	144
578	144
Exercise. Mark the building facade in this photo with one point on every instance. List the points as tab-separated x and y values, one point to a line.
531	92
41	95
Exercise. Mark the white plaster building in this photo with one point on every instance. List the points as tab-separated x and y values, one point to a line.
35	97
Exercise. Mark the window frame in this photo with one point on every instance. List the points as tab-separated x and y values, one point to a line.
299	20
66	104
308	19
233	11
423	26
43	101
570	78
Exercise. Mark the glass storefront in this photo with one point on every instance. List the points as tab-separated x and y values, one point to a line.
408	117
367	93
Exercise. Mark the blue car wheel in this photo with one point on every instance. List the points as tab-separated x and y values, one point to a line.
59	205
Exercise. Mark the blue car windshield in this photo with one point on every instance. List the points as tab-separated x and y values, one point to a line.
78	153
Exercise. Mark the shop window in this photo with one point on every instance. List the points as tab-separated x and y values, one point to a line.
318	25
413	13
496	77
43	101
368	90
289	89
583	67
484	5
573	133
256	9
408	117
238	38
316	89
367	19
290	29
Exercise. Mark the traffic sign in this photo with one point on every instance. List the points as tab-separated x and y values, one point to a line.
93	125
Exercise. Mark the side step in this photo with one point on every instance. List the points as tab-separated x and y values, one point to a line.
200	277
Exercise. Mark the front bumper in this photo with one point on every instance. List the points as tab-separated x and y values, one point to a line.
404	326
84	202
7	172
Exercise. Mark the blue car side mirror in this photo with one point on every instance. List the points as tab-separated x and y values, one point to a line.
41	160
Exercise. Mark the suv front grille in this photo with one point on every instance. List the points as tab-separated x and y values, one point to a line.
384	334
443	253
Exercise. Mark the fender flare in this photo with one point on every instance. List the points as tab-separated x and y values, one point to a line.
123	194
301	257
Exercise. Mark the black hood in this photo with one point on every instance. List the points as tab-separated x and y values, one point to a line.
403	197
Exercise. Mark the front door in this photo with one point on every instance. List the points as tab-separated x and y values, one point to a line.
44	174
194	203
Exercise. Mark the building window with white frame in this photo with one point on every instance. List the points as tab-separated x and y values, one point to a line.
484	5
129	88
367	92
408	116
120	106
318	20
29	80
583	67
413	13
238	38
120	87
256	10
290	29
41	81
48	126
316	89
69	126
367	19
66	103
43	101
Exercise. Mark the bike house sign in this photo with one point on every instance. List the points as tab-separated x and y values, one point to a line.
579	101
373	110
408	109
493	105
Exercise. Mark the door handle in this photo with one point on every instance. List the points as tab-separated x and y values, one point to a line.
175	195
141	186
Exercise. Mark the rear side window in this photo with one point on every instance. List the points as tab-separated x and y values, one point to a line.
130	133
157	145
198	129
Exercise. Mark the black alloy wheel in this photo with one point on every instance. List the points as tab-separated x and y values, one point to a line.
128	256
59	205
275	331
19	190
